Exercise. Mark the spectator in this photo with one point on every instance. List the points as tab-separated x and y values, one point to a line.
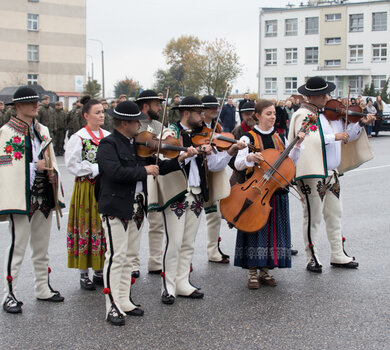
281	119
245	100
2	114
379	114
371	110
122	98
174	114
113	104
228	116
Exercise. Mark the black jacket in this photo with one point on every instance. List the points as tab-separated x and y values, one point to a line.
119	170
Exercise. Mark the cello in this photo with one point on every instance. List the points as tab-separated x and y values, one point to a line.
247	207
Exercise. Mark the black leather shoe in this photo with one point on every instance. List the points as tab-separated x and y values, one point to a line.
87	284
56	298
350	265
155	272
135	274
12	305
98	280
222	261
294	252
313	266
135	312
194	295
168	299
115	318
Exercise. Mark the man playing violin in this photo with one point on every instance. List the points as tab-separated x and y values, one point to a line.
213	214
149	103
182	214
318	169
121	191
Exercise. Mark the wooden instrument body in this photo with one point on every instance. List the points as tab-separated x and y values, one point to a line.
247	207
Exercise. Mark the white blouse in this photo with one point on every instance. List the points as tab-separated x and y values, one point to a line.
241	162
73	154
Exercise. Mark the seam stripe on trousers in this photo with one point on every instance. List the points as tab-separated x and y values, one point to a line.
110	261
11	252
165	252
309	224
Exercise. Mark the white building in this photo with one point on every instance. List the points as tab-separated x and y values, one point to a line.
346	43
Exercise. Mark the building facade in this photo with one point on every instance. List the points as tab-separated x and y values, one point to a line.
43	42
346	43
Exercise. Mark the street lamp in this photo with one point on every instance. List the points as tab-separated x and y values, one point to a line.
101	44
91	65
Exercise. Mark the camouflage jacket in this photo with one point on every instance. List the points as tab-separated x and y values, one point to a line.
47	117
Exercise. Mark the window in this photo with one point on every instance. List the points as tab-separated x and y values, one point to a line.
290	85
291	26
355	53
311	55
356	84
291	56
356	22
332	63
32	79
311	25
32	53
379	21
379	81
331	17
332	41
379	52
270	57
271	28
270	85
32	21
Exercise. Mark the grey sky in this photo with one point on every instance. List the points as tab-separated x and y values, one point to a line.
134	34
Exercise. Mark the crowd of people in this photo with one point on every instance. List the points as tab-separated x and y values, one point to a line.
116	189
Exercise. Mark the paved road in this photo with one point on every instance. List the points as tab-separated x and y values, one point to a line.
336	310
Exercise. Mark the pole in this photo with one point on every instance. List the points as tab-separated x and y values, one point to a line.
103	73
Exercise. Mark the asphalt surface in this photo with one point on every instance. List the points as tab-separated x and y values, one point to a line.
339	309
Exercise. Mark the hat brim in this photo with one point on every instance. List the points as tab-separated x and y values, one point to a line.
189	107
139	116
305	92
210	105
23	101
149	98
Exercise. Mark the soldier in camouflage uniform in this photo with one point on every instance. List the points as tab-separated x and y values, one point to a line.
46	116
2	114
11	112
60	116
75	120
107	118
173	114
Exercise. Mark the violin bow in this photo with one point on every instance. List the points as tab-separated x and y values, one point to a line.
162	125
347	109
219	113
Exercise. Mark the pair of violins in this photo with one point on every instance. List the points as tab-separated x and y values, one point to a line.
335	110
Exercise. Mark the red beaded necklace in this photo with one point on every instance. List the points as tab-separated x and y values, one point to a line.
95	139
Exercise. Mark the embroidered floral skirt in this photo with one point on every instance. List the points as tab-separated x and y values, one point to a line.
270	246
85	240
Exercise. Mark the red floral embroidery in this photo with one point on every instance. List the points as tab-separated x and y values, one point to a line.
313	128
17	139
17	155
106	291
8	149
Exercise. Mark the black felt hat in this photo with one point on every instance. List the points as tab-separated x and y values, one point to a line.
127	110
23	95
316	86
210	101
190	102
248	106
148	95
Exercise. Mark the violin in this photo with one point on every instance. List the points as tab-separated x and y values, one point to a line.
148	145
248	205
222	141
334	110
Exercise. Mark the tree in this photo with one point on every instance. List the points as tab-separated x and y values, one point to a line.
369	90
221	66
384	94
128	87
198	66
92	88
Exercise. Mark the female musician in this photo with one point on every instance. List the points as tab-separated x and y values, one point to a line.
85	240
270	247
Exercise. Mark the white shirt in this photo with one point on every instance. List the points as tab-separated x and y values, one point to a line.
73	154
241	162
333	147
36	146
215	162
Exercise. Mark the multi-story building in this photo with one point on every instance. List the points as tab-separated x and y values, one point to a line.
346	43
43	42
